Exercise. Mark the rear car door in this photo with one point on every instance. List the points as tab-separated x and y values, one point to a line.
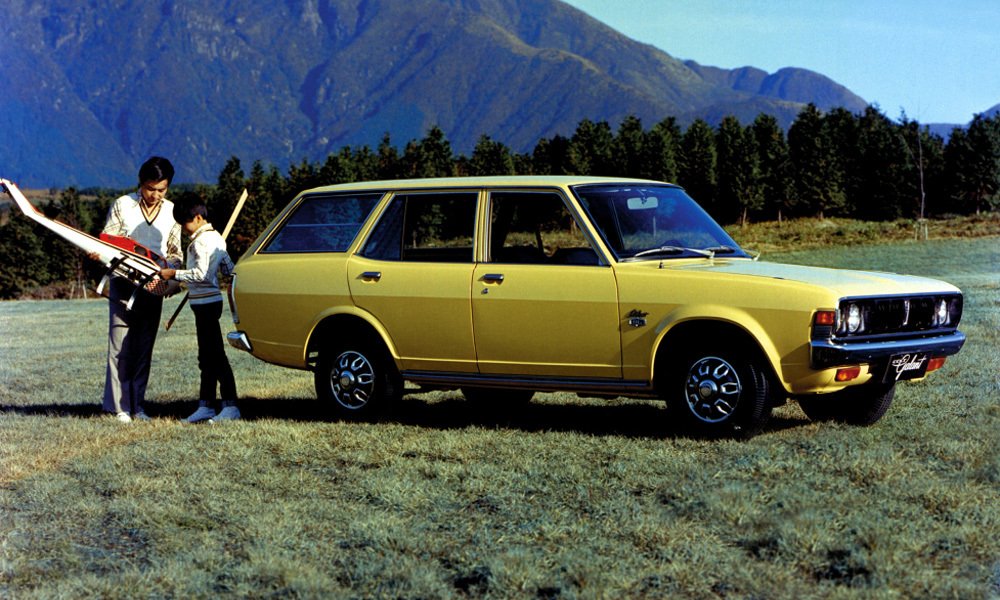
414	275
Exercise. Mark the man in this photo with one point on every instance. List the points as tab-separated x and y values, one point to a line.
145	216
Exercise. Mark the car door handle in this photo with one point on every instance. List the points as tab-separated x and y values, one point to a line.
493	278
372	275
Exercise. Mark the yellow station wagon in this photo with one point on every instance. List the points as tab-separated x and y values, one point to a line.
504	286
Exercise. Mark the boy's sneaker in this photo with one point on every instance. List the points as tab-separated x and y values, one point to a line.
123	417
203	413
228	413
141	416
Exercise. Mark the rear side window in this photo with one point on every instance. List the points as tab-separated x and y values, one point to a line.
323	223
434	227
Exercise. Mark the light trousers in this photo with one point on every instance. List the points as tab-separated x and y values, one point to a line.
131	335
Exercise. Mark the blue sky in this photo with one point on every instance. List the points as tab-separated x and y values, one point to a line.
938	60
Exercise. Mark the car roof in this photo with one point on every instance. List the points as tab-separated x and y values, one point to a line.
477	182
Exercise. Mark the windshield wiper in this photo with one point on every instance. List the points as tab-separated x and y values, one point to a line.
672	250
721	249
660	250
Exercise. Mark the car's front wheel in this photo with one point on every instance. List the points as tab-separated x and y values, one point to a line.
858	405
358	381
720	392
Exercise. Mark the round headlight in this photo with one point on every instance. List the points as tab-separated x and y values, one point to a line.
941	316
853	318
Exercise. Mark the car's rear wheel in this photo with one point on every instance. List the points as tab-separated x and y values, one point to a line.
859	405
720	392
357	380
497	395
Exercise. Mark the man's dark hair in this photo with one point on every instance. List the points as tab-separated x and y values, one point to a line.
156	168
187	206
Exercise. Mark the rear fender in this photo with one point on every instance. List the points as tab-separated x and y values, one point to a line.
345	320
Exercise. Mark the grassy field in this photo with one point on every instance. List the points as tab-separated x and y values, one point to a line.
569	498
811	233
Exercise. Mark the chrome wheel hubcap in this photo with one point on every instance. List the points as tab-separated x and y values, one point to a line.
352	380
712	389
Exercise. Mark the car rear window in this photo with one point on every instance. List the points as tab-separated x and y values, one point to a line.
425	227
323	223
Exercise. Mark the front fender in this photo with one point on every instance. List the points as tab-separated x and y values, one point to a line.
719	314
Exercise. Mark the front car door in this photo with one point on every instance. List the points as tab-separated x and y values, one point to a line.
544	303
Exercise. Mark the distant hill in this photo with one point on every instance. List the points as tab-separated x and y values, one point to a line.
91	89
992	111
944	129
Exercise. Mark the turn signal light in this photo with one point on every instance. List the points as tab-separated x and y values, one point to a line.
826	317
935	363
848	373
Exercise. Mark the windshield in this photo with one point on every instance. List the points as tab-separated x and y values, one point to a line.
640	222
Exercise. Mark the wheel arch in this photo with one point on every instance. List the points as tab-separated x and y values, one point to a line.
346	323
680	335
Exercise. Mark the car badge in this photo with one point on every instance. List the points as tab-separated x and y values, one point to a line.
636	318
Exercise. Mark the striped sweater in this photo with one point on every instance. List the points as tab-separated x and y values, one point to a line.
206	257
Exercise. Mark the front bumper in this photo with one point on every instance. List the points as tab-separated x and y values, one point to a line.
826	354
239	340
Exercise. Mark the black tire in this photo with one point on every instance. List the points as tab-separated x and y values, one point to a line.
721	393
357	381
860	405
497	396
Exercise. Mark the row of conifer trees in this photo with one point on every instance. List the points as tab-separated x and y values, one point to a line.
859	165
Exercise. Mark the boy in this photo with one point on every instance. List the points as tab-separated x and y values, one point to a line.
206	256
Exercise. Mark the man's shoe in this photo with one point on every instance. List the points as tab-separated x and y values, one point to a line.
123	417
141	416
203	413
229	413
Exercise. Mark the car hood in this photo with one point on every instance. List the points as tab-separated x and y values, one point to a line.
843	281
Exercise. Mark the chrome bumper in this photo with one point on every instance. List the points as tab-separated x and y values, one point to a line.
825	354
239	340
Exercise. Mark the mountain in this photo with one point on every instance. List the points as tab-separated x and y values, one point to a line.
992	111
944	129
92	89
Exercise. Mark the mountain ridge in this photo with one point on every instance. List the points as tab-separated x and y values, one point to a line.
95	91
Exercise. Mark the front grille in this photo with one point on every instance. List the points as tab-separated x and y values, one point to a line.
899	315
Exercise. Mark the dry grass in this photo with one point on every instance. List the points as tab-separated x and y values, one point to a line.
569	498
810	233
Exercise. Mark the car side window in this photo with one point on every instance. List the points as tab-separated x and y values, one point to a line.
323	223
434	227
536	228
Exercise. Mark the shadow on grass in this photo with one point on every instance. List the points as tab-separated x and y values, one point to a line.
56	410
621	418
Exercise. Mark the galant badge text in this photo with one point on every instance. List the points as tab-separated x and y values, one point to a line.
908	362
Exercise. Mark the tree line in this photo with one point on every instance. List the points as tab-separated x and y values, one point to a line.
838	163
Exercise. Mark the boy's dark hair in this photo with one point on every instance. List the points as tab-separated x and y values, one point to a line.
156	168
187	206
